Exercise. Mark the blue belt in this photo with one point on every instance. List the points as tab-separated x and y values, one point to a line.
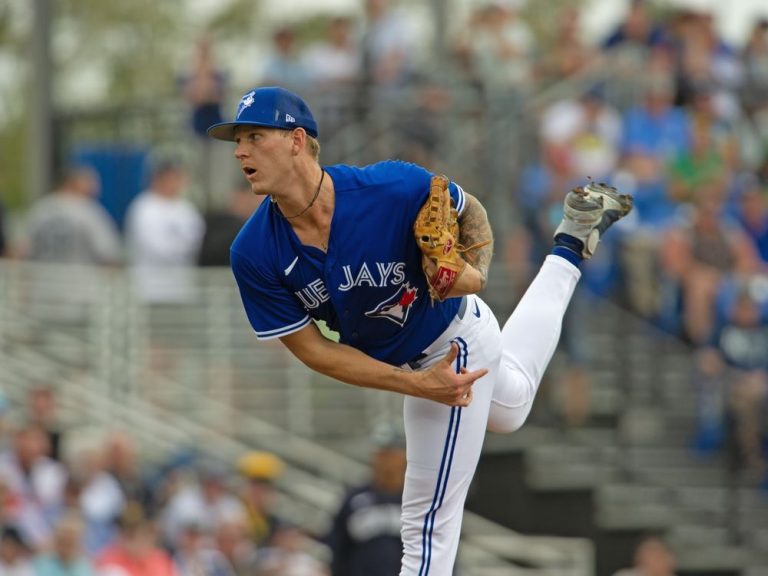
415	363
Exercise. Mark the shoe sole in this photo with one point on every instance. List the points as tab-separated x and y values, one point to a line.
611	199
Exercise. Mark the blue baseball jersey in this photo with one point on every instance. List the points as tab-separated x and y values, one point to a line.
368	286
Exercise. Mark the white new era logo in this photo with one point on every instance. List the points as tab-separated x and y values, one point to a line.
289	118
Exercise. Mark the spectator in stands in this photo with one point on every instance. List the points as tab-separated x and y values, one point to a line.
704	58
287	553
122	464
164	231
638	30
740	340
388	47
260	470
568	54
66	558
41	412
723	131
204	88
754	92
698	167
502	47
334	61
655	133
422	128
365	534
652	557
204	503
195	555
14	554
100	500
752	213
233	542
222	226
34	485
699	254
284	65
588	132
335	67
134	551
69	226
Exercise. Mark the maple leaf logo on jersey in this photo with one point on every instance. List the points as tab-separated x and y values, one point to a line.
397	306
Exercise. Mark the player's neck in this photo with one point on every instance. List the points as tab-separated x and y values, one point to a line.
311	200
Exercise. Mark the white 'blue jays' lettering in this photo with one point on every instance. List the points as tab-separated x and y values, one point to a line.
313	295
364	276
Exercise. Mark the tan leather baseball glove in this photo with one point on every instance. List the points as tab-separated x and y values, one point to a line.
437	234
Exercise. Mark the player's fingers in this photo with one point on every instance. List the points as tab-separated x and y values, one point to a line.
452	353
472	376
466	399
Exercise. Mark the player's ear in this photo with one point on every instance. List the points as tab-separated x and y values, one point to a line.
298	140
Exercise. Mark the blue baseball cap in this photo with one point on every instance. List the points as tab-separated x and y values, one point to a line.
272	107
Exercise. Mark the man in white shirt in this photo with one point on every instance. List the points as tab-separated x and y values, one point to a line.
164	231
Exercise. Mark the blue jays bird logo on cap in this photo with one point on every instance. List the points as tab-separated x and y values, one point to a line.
246	101
397	306
270	107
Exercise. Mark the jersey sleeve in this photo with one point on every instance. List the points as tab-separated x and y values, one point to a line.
272	310
419	178
458	196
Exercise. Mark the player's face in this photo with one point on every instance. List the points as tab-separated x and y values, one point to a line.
264	155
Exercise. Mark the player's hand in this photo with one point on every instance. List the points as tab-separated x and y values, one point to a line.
441	383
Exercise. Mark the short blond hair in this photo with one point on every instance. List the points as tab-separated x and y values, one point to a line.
313	146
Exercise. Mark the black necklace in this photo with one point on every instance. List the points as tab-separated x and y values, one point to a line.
311	203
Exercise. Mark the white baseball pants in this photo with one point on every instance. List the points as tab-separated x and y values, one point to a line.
444	443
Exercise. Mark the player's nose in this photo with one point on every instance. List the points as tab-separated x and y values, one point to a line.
240	151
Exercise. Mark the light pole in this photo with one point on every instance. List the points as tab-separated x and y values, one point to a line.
40	128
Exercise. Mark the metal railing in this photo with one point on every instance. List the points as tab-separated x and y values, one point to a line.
193	375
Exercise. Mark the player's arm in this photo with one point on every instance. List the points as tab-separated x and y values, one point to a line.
474	229
439	383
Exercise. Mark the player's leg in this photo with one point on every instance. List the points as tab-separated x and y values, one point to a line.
443	448
531	334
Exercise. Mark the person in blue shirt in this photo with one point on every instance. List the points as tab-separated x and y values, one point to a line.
335	244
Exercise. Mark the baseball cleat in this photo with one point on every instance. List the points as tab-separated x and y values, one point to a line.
589	212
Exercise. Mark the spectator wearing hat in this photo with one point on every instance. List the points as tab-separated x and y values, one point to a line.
260	470
14	560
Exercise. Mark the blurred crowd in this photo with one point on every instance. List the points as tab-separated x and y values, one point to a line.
81	502
662	107
679	122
